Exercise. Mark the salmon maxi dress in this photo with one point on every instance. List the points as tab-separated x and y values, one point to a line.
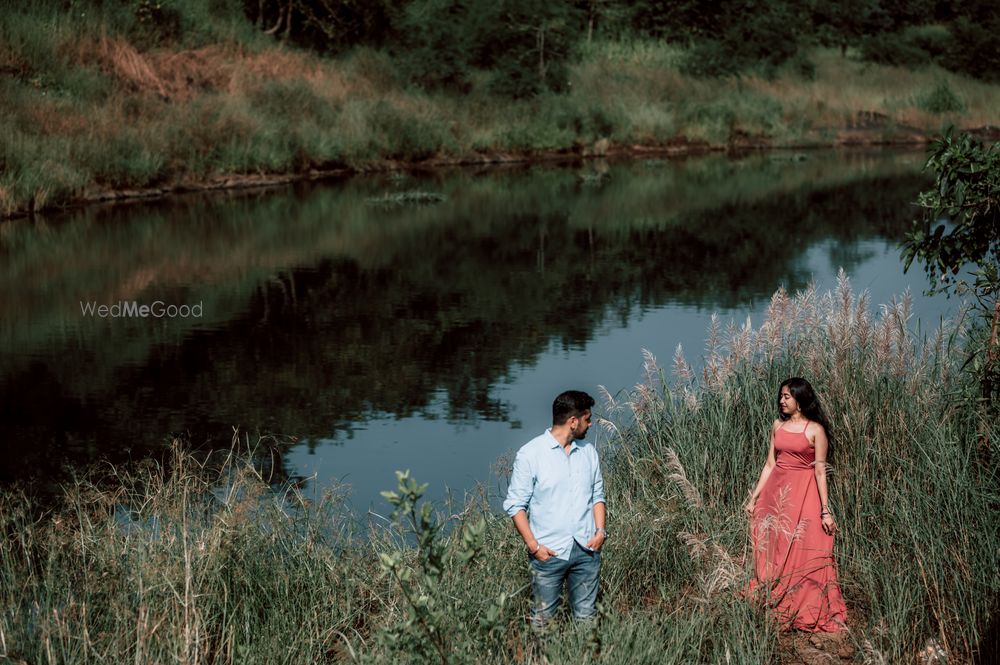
793	556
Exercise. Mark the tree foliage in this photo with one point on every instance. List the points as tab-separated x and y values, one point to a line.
959	226
521	47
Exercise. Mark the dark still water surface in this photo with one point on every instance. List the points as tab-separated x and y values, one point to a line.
424	337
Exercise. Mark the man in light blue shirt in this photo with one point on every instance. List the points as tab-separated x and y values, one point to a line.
556	499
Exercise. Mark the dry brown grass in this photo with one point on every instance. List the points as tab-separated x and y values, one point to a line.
182	75
843	87
56	118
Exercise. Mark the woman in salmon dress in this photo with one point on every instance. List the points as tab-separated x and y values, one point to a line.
791	524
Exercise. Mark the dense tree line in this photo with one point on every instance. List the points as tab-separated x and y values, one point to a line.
520	47
523	46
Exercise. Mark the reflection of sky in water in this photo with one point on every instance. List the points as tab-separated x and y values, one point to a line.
458	456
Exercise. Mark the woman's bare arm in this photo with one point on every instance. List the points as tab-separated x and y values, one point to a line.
821	447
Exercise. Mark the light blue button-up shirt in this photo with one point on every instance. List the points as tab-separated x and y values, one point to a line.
557	490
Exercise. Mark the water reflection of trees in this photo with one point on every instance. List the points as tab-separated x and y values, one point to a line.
324	312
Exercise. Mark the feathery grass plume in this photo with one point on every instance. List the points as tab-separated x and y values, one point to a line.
883	339
609	426
717	571
815	360
777	322
775	522
724	572
937	366
741	342
903	349
806	320
696	544
921	365
862	331
642	397
651	369
682	371
713	361
845	298
679	476
728	361
839	326
800	530
610	405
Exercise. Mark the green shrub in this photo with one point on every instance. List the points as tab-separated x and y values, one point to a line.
893	49
292	99
404	136
711	57
748	38
802	66
438	41
156	23
935	39
941	100
124	160
437	626
975	49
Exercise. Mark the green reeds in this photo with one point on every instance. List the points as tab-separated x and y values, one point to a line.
203	561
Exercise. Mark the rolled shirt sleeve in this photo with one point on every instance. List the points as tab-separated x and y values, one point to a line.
521	484
598	495
557	490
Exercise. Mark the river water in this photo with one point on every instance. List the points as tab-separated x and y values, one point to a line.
371	336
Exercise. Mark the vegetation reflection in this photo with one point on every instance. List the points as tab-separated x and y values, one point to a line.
322	311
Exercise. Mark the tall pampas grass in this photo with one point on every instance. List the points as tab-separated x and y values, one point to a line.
918	547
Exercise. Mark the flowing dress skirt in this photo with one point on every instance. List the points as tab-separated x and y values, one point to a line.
793	557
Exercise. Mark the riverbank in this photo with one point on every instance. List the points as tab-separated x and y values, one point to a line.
89	117
155	563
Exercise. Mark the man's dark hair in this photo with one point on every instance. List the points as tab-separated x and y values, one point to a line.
569	404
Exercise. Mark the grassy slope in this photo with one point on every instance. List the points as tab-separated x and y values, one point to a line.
83	112
151	568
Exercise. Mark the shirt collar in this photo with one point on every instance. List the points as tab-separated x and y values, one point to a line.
555	442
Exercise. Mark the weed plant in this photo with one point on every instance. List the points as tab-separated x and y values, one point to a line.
202	561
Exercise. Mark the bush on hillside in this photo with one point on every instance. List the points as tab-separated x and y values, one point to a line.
941	100
893	49
936	40
975	49
747	39
711	57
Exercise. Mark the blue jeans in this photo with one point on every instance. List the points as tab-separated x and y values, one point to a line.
547	577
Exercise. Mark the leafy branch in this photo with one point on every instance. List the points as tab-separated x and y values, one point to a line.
438	627
960	225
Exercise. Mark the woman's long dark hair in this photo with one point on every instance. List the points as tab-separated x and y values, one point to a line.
808	404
